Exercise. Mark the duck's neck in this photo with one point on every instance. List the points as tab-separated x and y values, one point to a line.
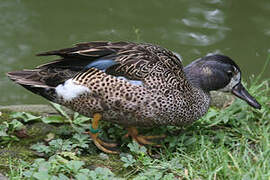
194	76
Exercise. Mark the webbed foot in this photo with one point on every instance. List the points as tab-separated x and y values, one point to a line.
102	145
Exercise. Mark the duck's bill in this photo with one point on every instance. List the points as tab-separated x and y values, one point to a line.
242	93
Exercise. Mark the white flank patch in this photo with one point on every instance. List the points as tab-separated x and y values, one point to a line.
70	90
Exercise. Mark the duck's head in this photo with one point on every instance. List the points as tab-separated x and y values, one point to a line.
221	73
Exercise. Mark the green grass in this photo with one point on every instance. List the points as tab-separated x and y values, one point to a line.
230	143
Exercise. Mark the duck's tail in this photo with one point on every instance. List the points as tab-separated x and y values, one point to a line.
31	80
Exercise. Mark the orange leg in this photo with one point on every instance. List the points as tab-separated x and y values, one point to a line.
144	140
94	132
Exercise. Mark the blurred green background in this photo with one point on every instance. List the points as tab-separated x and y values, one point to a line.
192	28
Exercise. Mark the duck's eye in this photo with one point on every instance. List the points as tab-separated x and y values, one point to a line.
230	73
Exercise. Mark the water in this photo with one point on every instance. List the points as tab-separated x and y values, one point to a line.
239	29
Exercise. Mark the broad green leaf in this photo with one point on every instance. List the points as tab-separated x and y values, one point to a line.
61	176
74	165
60	110
128	160
40	147
41	175
68	154
3	129
136	148
26	117
16	125
53	119
82	176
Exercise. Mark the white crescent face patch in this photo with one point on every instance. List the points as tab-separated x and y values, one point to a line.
234	81
70	90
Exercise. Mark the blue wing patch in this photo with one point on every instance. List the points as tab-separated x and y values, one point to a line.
104	64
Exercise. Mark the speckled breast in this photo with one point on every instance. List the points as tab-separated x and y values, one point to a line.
147	108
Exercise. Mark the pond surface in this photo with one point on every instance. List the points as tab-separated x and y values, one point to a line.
192	28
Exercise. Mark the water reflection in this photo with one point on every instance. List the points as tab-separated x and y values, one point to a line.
13	21
203	25
15	28
261	21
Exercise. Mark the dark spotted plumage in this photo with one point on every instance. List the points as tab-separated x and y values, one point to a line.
128	83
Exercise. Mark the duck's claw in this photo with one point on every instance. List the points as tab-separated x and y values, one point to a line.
146	140
102	145
143	140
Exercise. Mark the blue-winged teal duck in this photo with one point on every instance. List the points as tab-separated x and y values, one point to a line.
132	85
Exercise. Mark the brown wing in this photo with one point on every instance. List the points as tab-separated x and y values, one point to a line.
133	61
157	67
